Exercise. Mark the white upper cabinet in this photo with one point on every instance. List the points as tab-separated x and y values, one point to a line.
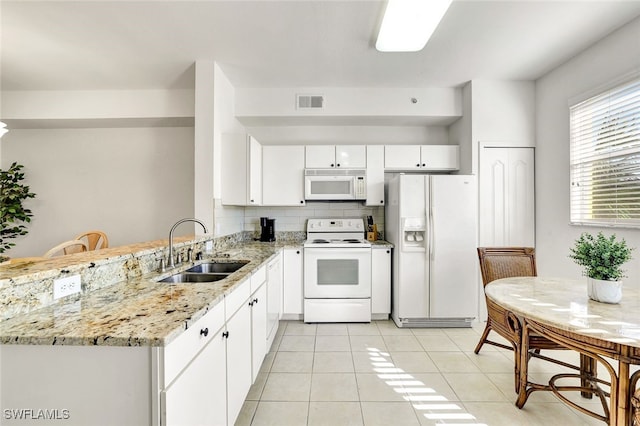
440	157
335	156
241	170
255	172
375	175
402	157
283	175
421	157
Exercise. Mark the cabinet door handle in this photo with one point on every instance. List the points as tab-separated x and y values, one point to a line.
225	334
381	201
332	165
250	302
301	201
297	251
338	165
388	251
255	300
423	165
418	165
204	332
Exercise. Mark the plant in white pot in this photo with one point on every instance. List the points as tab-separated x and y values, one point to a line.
602	258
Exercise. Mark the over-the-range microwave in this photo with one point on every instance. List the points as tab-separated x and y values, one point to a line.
331	184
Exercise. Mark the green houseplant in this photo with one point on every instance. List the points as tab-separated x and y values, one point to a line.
602	259
13	214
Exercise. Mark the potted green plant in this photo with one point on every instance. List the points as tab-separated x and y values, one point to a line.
602	258
13	214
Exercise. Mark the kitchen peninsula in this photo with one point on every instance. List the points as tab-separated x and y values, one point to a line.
130	350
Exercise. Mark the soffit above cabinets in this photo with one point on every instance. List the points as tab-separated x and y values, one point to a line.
351	120
434	106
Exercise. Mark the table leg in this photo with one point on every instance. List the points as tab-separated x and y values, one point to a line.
588	368
523	392
622	398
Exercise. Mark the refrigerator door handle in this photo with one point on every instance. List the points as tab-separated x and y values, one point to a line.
432	240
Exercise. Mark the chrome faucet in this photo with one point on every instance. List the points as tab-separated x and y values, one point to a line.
171	261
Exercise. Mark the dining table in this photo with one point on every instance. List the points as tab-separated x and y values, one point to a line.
604	334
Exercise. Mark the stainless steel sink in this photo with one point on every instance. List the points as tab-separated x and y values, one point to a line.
217	267
187	277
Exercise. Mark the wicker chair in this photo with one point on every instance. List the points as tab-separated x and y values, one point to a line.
67	247
504	262
95	240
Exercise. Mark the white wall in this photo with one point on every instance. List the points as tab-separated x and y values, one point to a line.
460	134
204	129
227	219
503	112
97	104
608	59
132	183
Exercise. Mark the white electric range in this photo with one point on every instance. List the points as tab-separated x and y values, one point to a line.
337	271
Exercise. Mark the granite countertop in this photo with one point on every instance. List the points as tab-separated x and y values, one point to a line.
135	312
381	243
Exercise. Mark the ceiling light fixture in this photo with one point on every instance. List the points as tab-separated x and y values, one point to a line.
408	24
3	129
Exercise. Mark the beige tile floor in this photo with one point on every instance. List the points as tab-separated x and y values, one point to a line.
378	374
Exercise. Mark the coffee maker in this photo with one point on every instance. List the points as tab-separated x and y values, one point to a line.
268	229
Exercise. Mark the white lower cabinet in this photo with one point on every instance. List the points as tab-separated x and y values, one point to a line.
212	387
292	305
274	297
258	303
238	313
380	282
199	395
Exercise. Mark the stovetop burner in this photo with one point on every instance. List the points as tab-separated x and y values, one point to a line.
339	233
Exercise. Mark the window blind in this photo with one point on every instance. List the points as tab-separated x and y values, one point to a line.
605	157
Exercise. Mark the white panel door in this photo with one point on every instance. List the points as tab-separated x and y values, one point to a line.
507	209
452	247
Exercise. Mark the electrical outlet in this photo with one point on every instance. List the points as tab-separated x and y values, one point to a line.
66	286
208	246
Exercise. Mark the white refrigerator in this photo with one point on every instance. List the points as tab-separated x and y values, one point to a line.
432	222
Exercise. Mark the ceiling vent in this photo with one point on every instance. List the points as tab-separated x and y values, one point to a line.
309	101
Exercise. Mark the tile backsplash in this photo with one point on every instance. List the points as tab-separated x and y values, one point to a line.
231	219
295	218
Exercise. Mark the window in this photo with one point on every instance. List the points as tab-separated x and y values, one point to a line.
605	158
